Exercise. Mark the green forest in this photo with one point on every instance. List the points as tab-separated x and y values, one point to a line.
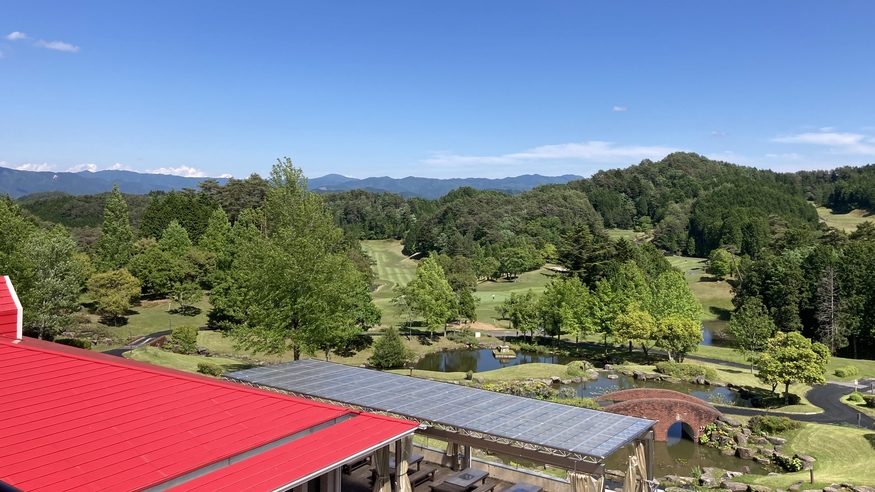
282	269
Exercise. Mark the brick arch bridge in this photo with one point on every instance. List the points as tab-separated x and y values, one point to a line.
666	406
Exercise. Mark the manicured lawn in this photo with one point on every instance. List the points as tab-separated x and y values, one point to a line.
512	373
186	363
715	296
153	316
847	222
860	407
392	268
493	293
843	454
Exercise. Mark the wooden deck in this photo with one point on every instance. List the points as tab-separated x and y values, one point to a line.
360	480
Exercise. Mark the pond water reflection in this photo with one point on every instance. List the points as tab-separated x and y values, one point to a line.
482	360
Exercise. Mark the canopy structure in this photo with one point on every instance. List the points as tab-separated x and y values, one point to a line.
559	434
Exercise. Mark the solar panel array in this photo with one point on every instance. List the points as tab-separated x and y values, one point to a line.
563	427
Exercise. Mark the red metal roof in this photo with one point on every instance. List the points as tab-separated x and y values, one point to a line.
73	421
309	456
10	310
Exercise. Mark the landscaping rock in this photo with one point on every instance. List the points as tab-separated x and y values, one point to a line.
729	420
676	489
698	380
724	441
613	376
576	380
729	475
807	461
556	380
796	487
745	453
767	452
593	375
830	489
609	367
741	439
480	379
776	440
758	488
862	488
745	431
759	440
727	452
734	486
779	448
762	461
708	481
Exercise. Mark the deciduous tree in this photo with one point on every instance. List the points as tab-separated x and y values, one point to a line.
432	294
791	358
113	292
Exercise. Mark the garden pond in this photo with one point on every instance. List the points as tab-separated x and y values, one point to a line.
482	360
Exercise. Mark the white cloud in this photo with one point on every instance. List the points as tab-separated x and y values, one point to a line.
827	128
620	108
14	36
57	45
36	167
83	167
589	151
118	167
846	143
185	171
226	176
717	133
793	156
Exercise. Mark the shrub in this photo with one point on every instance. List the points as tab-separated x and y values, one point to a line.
186	338
209	369
465	335
578	368
847	371
788	463
529	389
533	347
389	350
771	424
685	371
75	342
870	400
581	402
855	397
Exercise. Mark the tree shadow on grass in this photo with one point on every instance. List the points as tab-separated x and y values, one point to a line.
871	439
722	313
189	311
355	345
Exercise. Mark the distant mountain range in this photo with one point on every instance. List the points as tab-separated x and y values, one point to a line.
431	187
19	183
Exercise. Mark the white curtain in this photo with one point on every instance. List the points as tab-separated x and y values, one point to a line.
402	464
630	483
581	482
453	450
381	465
646	485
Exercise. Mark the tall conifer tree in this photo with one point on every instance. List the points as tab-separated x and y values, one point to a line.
116	242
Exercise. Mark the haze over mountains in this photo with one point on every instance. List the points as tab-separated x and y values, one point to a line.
17	183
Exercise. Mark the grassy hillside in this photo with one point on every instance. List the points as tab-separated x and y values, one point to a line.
846	222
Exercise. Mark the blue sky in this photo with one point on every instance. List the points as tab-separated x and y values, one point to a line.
441	89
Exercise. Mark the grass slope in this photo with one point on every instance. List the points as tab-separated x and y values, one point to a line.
846	222
181	362
844	454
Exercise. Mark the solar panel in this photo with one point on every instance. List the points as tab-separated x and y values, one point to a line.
562	427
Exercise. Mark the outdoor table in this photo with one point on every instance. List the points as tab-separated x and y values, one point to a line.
524	487
467	477
415	459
